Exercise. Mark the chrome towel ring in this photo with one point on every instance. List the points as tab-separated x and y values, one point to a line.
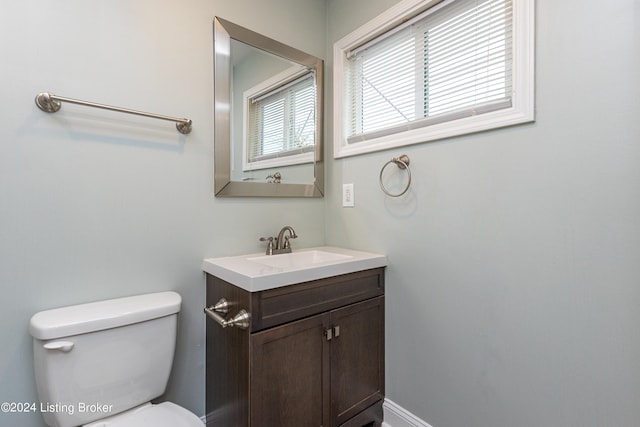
403	163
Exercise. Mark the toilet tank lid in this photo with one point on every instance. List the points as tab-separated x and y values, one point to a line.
96	316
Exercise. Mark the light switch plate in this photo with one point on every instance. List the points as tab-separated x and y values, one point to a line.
347	196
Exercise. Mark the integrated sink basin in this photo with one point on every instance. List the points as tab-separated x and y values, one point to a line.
302	259
258	272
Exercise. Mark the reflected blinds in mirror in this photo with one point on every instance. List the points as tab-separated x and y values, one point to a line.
281	122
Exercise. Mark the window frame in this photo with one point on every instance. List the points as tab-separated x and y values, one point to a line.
522	102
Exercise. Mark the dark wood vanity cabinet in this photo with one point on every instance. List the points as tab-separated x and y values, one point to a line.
313	354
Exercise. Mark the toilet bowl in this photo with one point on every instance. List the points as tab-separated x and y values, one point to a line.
100	364
165	414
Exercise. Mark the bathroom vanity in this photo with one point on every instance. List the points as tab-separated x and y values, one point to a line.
308	352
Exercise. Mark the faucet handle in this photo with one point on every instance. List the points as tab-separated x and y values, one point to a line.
269	245
286	241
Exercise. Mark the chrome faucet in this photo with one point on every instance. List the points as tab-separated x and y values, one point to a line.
284	248
282	245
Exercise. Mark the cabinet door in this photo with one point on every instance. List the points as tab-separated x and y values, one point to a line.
357	358
290	375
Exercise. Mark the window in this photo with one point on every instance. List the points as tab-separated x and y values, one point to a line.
436	69
280	125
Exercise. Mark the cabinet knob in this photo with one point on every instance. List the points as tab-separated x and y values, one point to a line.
332	332
329	333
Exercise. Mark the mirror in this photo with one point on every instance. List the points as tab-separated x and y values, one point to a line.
268	115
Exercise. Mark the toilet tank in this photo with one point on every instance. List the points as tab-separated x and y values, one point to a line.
98	359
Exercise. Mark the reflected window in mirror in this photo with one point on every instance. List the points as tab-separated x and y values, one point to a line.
280	120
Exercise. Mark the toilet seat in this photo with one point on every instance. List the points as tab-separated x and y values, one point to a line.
166	414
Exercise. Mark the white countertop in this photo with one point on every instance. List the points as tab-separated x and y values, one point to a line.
258	272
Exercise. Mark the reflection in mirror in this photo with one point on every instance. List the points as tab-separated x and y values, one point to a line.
268	116
273	116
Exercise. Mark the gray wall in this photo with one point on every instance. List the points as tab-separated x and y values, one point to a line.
99	205
513	294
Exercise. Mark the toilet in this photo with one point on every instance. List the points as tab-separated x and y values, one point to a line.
100	364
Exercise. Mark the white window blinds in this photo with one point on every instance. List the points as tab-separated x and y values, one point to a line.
281	122
452	61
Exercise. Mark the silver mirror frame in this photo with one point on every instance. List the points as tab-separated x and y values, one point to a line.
224	31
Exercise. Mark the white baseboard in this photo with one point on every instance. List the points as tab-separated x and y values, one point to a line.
396	416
